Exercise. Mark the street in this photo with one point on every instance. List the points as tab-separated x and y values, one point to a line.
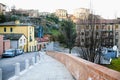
8	64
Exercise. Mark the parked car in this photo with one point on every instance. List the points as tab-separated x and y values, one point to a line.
19	51
9	53
12	52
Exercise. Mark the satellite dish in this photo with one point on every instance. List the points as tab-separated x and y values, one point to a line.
115	48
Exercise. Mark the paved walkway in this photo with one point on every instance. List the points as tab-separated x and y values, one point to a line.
47	69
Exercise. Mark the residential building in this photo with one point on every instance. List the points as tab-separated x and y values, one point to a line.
21	28
16	41
72	17
61	13
33	13
2	8
6	44
23	12
1	45
81	13
44	13
106	30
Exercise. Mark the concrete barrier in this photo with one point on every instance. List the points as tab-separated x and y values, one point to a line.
26	64
84	70
33	60
17	69
38	59
0	74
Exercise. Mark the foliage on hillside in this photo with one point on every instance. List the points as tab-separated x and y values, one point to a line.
115	64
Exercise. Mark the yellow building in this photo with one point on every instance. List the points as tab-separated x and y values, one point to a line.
21	28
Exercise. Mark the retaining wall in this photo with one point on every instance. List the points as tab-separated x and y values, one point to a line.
84	70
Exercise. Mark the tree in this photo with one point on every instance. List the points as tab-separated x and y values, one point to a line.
92	37
68	33
89	38
2	18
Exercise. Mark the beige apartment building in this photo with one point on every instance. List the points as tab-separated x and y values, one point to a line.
2	8
61	13
107	30
81	13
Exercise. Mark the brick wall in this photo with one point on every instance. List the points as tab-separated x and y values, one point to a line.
6	45
84	70
1	45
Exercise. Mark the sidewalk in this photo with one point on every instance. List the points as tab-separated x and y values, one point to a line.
47	69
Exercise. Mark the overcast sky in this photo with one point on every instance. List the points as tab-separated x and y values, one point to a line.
105	8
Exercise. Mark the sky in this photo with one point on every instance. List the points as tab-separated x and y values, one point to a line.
106	8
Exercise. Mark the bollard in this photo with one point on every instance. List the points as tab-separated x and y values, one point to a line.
33	60
38	59
17	69
0	74
26	64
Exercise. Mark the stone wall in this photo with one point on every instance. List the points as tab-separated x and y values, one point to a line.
84	70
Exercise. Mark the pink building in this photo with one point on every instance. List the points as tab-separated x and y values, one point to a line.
6	45
1	45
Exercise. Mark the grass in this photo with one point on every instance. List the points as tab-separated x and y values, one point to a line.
115	64
55	32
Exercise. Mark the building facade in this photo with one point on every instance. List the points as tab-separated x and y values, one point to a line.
61	13
2	8
1	45
44	13
30	13
17	41
6	45
106	31
20	28
81	13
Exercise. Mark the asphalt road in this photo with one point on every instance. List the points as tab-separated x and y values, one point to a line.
8	64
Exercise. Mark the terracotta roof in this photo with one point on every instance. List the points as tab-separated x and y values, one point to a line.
41	39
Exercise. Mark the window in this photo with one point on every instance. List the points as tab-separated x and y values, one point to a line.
116	26
4	29
20	40
30	38
82	33
11	29
24	40
82	40
97	27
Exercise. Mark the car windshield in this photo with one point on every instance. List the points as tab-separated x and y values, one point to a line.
9	51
